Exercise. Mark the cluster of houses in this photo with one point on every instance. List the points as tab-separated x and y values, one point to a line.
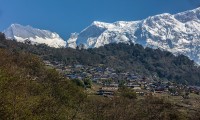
194	89
111	81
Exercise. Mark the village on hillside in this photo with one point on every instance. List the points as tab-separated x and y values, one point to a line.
110	81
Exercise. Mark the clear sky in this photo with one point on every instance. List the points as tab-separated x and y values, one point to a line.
67	16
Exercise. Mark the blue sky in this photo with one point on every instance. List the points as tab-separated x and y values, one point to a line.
67	16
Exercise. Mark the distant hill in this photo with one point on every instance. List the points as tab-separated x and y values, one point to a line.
152	63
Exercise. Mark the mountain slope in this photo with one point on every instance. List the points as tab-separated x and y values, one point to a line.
179	33
35	36
151	63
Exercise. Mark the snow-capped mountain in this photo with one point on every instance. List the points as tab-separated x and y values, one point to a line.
178	33
35	36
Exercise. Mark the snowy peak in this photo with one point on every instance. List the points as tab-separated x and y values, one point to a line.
188	15
27	31
100	24
35	36
178	33
96	34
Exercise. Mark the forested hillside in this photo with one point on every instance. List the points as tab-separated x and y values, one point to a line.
31	91
154	64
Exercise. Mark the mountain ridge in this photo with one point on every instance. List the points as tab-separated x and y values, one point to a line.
177	33
34	35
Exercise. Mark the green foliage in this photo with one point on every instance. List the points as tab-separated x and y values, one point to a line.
30	91
87	82
78	82
127	93
152	63
121	108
